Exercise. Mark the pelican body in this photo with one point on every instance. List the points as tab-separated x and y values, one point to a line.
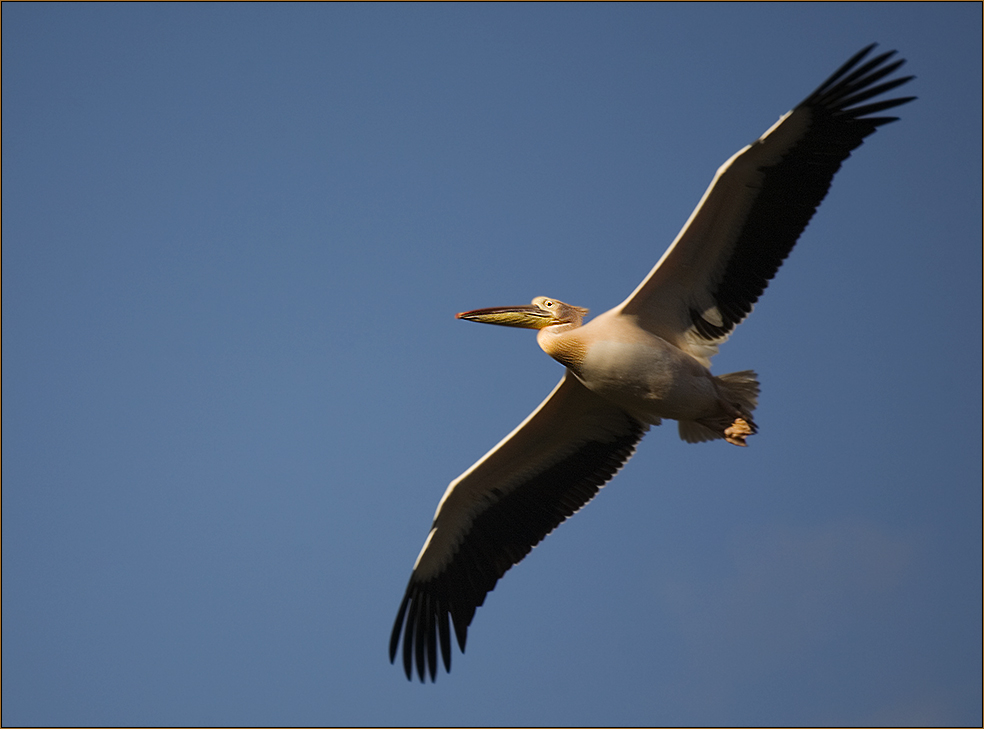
646	360
642	373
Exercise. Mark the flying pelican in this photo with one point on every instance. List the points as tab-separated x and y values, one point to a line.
645	360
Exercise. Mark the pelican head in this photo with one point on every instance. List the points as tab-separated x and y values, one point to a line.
542	313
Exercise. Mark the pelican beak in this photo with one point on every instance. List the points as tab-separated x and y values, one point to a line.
527	317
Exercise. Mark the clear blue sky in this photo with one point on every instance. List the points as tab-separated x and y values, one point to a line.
234	239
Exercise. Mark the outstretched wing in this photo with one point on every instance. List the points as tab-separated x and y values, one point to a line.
493	514
757	206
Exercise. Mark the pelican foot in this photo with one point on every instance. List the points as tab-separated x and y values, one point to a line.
737	432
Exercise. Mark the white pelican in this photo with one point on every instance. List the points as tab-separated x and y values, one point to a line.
645	360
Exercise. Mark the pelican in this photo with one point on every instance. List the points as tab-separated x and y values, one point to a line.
646	360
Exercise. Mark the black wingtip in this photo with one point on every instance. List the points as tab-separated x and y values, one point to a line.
841	97
398	627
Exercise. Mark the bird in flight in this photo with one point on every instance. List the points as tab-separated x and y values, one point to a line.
646	360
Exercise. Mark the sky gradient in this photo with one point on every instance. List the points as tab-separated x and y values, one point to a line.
235	238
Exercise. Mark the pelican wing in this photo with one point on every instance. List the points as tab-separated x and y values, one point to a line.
756	207
493	514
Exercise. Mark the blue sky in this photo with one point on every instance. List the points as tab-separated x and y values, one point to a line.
235	237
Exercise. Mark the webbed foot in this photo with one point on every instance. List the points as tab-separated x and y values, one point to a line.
737	432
